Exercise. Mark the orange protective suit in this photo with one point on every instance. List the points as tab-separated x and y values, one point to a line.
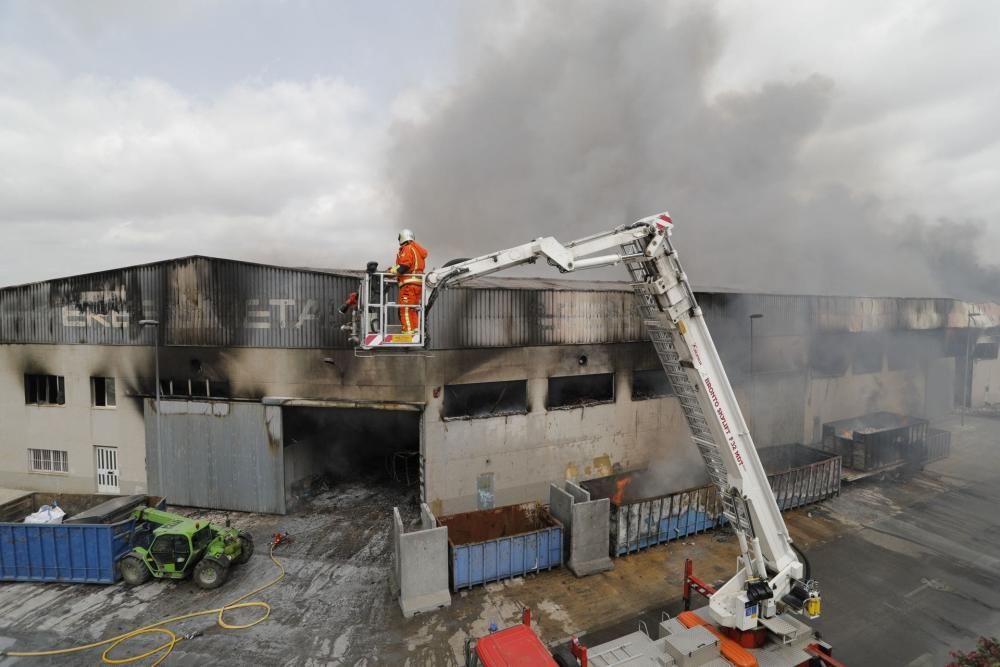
410	263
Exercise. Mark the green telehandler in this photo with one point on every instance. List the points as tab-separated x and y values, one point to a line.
171	546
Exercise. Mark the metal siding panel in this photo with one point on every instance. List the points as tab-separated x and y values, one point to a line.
205	301
199	301
100	309
246	305
494	317
221	461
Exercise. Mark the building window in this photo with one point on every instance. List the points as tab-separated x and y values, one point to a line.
102	392
829	355
910	350
44	390
485	399
48	460
868	352
577	391
652	383
987	350
200	388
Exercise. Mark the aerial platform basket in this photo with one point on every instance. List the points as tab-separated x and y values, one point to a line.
375	322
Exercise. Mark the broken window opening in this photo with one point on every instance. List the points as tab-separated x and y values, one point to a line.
829	355
868	353
987	350
200	388
909	350
651	383
102	392
479	400
577	391
218	389
44	390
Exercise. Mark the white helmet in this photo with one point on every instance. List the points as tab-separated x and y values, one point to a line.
405	235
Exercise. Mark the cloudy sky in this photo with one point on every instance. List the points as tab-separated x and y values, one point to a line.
825	146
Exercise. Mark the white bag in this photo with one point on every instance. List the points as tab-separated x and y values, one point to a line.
46	514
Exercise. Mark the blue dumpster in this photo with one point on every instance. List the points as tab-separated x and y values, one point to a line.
78	553
644	514
502	543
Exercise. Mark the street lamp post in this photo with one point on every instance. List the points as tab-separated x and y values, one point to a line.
156	356
753	316
967	379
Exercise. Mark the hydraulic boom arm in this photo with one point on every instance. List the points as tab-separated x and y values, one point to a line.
769	570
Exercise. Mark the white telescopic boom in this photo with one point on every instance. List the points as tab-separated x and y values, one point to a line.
769	566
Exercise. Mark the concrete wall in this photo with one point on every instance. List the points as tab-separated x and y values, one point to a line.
528	452
784	401
75	427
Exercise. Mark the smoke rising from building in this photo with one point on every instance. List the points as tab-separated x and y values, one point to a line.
579	117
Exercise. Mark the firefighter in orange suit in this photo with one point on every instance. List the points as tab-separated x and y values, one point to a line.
410	262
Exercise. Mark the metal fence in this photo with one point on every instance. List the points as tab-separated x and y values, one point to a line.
803	476
938	444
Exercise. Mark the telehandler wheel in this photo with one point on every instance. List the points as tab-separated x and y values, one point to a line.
246	547
134	570
211	572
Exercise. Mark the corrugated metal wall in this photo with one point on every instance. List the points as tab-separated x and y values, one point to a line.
218	455
98	308
205	301
210	302
467	317
234	304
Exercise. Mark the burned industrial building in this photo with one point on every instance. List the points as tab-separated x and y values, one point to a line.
525	382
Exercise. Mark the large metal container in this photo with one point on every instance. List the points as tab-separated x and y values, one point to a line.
68	552
877	440
501	543
643	513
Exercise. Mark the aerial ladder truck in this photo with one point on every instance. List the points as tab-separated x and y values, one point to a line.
772	576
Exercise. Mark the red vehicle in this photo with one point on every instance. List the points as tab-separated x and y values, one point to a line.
519	646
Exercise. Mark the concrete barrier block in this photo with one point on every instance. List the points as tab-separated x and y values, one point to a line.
587	524
561	506
590	538
580	494
421	565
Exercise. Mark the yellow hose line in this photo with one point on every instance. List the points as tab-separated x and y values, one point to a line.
172	637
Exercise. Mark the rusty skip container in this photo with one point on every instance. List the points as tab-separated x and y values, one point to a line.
643	515
502	543
877	440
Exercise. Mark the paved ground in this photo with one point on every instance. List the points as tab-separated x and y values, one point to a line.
916	573
909	572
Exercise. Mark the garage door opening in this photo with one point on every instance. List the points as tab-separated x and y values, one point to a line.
337	445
